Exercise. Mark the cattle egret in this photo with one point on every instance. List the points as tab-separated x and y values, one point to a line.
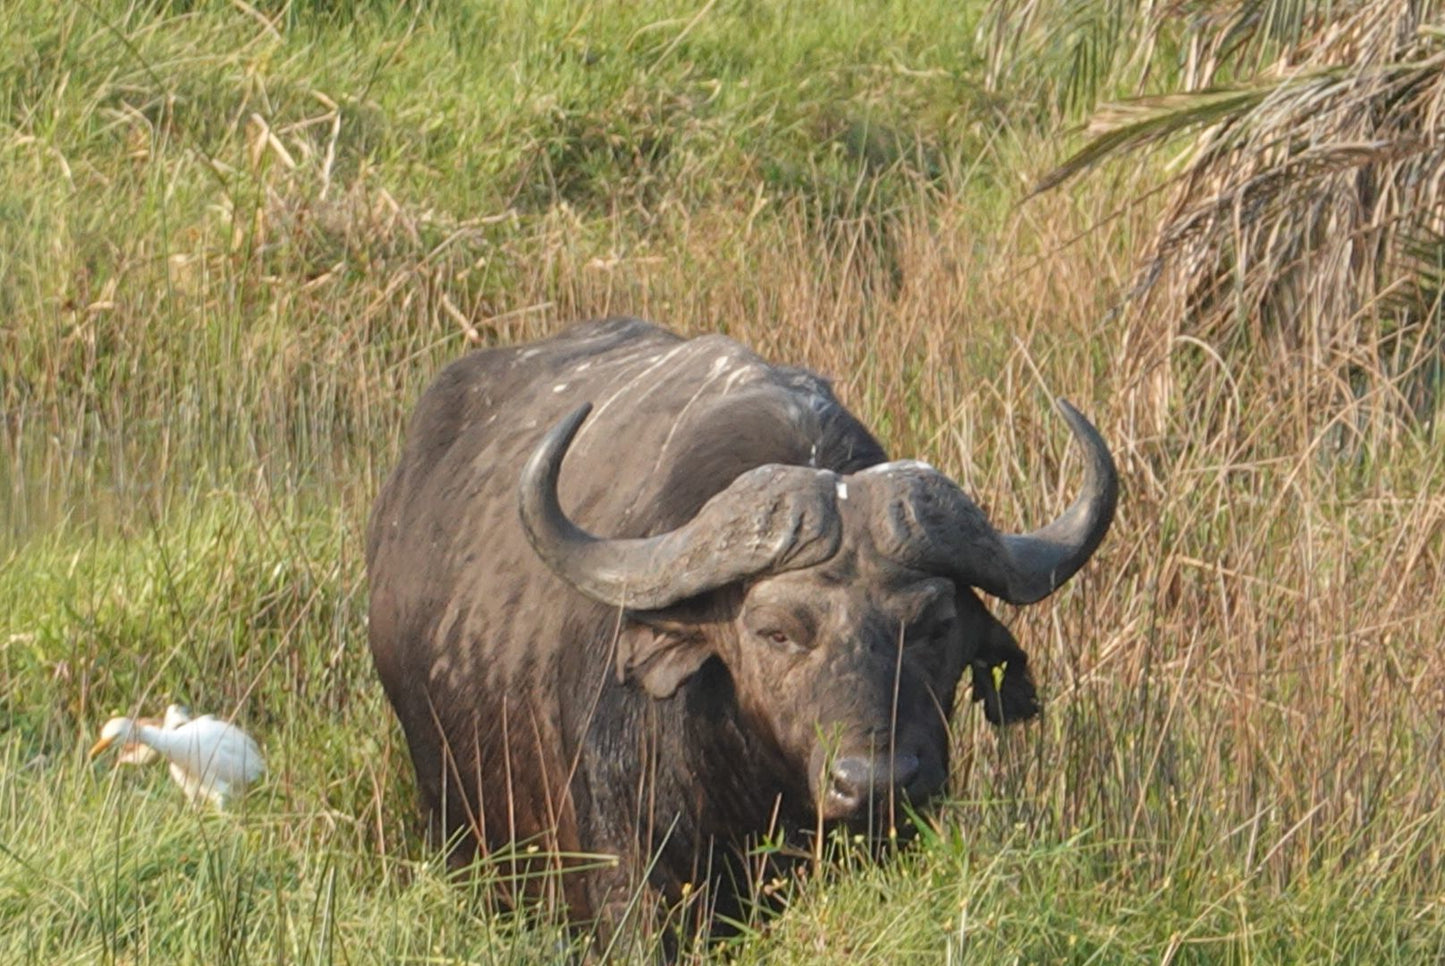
209	758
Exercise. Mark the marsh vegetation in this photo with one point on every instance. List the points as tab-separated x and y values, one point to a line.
236	240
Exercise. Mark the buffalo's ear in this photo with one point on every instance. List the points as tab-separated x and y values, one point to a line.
1001	679
662	648
1002	682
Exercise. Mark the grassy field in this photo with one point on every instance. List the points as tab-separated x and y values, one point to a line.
235	243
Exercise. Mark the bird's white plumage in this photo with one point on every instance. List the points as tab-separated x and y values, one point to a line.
135	753
209	758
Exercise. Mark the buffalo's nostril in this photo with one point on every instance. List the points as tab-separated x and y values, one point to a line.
852	779
857	779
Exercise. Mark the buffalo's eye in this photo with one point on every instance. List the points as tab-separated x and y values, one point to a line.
777	638
781	627
790	642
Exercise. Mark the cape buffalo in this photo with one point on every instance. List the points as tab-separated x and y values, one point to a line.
650	598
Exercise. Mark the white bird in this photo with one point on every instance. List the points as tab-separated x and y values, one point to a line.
209	758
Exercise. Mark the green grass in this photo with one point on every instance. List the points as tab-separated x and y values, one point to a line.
231	255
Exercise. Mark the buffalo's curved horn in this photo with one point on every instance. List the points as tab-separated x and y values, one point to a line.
1034	565
922	519
770	518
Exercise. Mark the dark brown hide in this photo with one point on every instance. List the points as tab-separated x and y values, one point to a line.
542	707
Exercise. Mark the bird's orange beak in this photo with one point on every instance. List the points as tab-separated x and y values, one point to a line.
100	746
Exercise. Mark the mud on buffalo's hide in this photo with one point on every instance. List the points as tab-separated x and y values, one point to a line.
649	597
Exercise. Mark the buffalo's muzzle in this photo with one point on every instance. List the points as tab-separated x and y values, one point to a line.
861	784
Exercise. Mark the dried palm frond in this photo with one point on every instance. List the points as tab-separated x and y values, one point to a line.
1310	212
1066	54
